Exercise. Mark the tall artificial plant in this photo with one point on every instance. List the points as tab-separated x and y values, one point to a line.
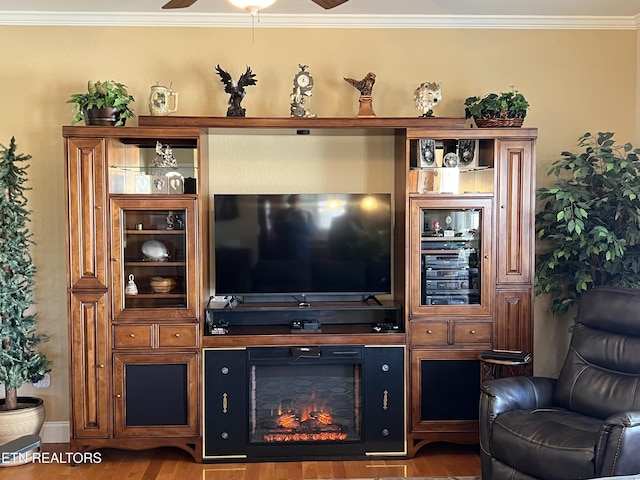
589	221
19	360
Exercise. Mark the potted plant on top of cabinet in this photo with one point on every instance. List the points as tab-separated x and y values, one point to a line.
104	103
20	362
589	221
506	109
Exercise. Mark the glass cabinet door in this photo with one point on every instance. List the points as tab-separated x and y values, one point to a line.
153	252
451	243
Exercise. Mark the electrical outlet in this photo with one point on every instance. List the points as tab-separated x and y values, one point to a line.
44	382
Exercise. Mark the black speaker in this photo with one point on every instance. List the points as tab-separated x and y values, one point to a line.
190	185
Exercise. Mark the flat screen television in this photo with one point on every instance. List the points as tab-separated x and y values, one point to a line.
302	244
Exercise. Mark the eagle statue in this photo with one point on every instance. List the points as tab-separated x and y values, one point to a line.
364	86
236	90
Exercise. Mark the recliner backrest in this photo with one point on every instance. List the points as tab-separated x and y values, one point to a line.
601	374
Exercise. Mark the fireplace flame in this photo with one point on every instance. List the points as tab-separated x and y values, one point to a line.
311	422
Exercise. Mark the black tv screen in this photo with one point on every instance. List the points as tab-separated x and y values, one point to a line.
273	244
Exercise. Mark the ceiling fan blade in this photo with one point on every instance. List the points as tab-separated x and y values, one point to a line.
179	3
327	4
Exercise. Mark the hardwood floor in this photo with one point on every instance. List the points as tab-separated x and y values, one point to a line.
174	464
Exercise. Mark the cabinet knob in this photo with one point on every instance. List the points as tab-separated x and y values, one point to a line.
98	207
118	396
224	370
503	206
177	335
385	432
132	335
101	365
429	332
385	367
472	332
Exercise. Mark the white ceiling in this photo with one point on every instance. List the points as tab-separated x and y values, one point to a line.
616	14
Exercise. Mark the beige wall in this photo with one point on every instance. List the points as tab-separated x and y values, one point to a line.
576	81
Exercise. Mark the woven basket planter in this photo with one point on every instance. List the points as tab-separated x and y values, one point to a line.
498	122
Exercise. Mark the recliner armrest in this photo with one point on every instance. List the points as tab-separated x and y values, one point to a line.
506	394
617	449
518	393
624	419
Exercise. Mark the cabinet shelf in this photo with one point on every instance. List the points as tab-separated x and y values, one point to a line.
142	263
444	251
156	295
154	232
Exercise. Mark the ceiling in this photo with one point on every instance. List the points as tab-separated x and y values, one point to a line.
610	14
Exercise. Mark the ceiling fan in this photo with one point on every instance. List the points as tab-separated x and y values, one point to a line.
326	4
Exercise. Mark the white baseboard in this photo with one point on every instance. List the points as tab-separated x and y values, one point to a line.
55	432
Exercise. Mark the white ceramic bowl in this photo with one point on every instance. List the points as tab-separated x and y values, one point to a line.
155	250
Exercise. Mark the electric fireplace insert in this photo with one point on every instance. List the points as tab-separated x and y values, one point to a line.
304	401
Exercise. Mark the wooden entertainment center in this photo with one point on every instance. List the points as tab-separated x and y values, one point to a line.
139	284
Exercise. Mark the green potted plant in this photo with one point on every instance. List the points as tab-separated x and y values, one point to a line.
589	221
20	362
506	109
105	103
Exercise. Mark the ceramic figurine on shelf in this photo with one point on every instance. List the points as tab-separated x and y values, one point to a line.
131	288
236	90
162	100
427	96
164	156
302	89
365	87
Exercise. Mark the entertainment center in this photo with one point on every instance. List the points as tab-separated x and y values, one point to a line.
199	318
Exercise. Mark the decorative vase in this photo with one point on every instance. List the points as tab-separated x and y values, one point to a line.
26	420
104	117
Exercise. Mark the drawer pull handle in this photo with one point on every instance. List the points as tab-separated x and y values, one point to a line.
225	402
385	400
177	335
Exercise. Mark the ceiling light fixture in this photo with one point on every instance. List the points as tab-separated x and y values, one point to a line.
252	6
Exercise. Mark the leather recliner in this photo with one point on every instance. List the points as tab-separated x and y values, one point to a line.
585	423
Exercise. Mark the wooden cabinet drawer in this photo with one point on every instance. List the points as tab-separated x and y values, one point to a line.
472	332
429	333
178	336
132	336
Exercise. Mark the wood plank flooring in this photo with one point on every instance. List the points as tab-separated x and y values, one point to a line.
174	464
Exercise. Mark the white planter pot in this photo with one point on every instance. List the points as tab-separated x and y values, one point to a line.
26	420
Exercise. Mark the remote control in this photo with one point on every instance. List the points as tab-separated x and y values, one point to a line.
385	327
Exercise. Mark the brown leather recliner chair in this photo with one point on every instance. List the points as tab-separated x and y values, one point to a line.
586	423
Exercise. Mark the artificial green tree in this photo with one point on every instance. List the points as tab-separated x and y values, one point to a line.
20	362
589	221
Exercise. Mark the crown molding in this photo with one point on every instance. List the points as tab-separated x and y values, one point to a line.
185	19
